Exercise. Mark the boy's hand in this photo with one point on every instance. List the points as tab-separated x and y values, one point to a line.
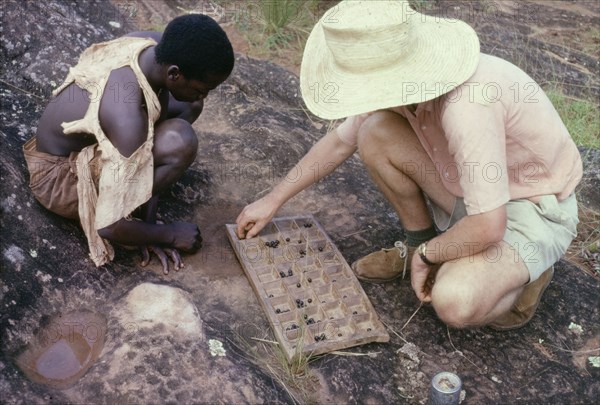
185	236
162	255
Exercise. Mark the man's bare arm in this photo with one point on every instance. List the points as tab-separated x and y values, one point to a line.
469	236
125	123
322	159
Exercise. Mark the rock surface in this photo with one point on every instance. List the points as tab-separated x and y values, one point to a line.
252	131
154	306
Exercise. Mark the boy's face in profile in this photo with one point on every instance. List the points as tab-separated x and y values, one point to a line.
191	90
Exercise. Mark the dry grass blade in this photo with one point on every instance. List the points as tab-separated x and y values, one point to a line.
411	317
295	377
584	251
353	233
596	350
460	352
264	340
21	90
394	332
354	354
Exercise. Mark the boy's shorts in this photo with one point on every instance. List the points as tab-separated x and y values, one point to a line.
53	179
540	233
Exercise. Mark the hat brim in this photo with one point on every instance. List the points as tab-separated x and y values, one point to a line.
445	54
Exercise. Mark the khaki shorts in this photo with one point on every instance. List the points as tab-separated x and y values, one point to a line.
53	179
540	233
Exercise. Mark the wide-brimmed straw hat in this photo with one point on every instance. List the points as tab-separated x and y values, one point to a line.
368	55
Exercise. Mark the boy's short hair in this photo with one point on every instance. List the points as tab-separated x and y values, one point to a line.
197	45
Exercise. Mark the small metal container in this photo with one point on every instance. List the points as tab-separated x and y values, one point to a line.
445	389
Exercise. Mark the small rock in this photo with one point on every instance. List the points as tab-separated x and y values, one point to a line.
575	328
216	348
173	309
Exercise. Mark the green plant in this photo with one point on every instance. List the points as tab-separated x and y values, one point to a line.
279	14
581	117
591	41
421	5
278	29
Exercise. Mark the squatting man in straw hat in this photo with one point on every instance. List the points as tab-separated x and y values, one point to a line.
435	120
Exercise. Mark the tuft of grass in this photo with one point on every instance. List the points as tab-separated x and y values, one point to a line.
422	5
591	41
294	376
277	15
278	29
581	117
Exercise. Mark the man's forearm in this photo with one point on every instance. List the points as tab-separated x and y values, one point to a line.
469	236
137	233
323	158
150	210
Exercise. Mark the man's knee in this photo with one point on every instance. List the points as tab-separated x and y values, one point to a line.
176	141
378	132
371	134
455	303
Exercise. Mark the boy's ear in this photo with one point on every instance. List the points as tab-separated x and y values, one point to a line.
173	72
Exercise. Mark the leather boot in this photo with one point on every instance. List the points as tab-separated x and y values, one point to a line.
384	265
523	309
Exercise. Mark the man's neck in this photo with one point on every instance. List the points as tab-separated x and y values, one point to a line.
154	72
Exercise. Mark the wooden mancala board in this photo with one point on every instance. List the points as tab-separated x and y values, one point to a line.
313	301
